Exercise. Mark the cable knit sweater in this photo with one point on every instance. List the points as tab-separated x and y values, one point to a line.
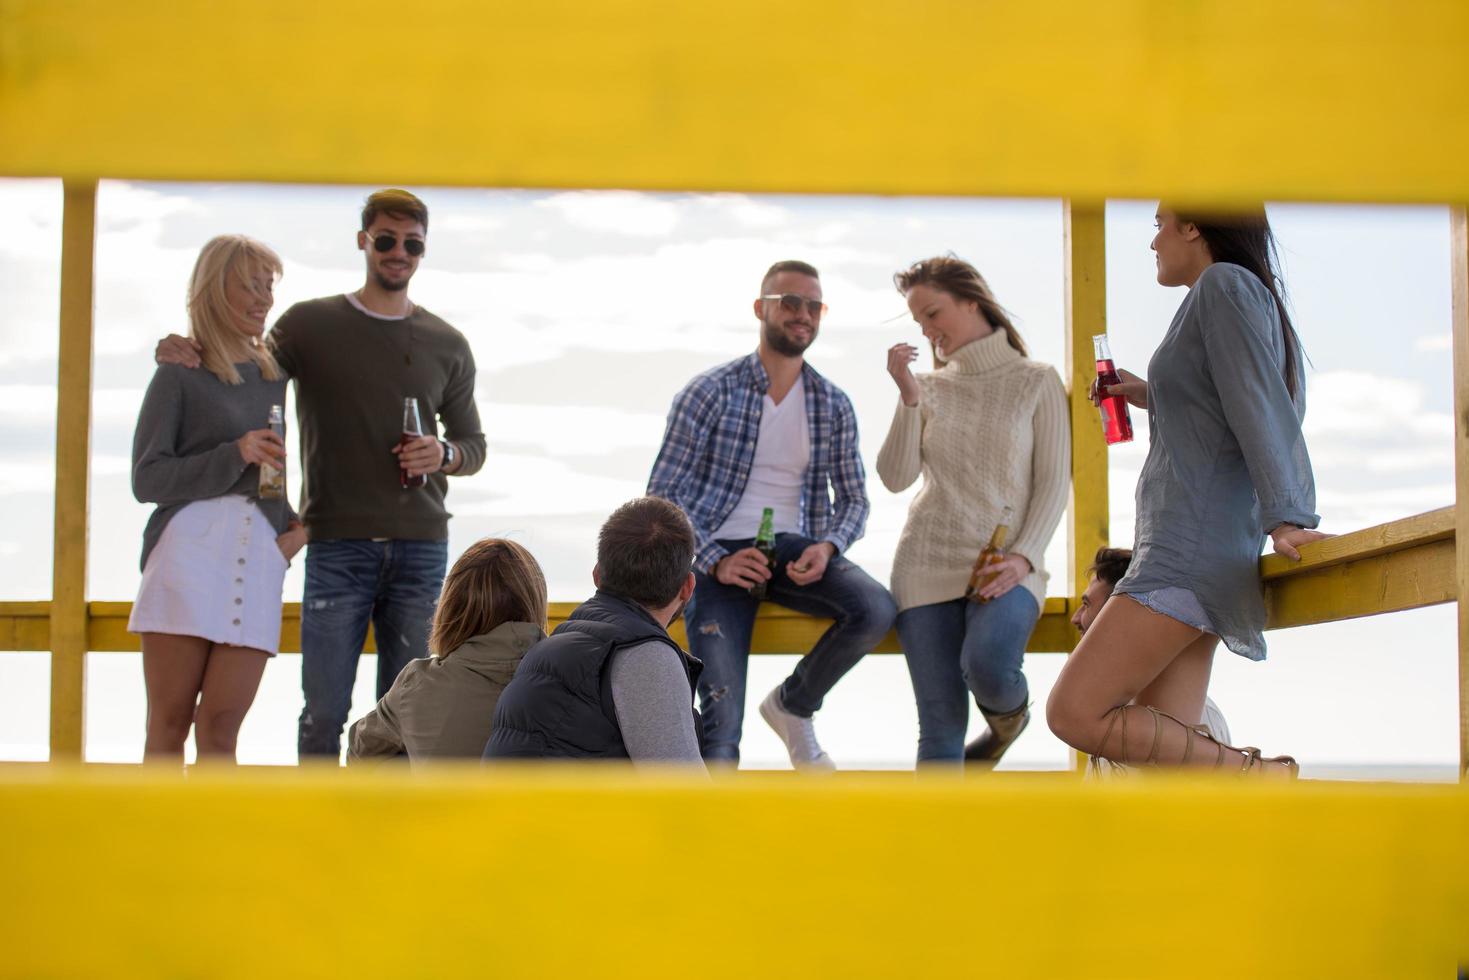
990	430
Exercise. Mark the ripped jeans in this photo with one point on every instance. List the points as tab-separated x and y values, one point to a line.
720	619
393	584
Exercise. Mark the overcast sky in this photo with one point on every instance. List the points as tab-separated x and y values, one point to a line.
587	311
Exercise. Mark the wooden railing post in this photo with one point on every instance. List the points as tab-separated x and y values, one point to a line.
1086	315
1085	233
1459	274
73	432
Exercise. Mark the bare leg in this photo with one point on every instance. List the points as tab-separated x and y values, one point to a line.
1182	686
1133	654
230	682
173	671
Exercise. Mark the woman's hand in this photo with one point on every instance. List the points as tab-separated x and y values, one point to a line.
1133	388
899	357
261	446
293	540
1288	538
1004	575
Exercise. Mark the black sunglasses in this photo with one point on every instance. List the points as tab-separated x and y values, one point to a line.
385	243
793	303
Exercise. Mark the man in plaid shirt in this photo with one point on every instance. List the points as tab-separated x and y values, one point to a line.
767	431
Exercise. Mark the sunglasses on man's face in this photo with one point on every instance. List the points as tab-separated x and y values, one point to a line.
792	303
385	243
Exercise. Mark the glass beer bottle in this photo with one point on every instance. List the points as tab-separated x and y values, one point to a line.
990	555
765	544
412	429
273	478
1116	419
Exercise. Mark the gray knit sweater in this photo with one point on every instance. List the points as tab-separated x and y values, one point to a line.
184	446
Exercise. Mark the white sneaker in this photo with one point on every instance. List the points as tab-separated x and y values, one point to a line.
798	734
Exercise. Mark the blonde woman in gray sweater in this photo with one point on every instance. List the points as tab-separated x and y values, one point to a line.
987	430
214	552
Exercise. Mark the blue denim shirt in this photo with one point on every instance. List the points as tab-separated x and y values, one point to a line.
709	447
1227	461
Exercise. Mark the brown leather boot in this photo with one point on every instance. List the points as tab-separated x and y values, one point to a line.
1003	730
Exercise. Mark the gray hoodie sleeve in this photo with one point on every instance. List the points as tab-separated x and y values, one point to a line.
650	693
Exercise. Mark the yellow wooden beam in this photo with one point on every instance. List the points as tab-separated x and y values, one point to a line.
1403	564
1420	576
1085	241
777	630
571	866
1459	278
1380	539
1218	100
68	623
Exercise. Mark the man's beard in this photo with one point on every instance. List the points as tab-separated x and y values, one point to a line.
776	339
389	285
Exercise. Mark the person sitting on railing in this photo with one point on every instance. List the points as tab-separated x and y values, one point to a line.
610	683
1108	567
766	433
989	430
214	552
1227	464
492	610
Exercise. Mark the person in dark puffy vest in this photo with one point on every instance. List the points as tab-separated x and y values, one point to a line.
610	683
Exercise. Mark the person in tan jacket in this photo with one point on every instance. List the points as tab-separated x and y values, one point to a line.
492	609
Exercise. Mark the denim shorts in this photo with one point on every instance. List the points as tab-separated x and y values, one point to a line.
1178	603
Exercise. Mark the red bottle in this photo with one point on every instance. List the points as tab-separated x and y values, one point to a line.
412	429
1116	419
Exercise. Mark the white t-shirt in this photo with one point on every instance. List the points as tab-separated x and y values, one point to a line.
778	472
352	298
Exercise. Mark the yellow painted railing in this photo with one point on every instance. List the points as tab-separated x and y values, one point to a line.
562	872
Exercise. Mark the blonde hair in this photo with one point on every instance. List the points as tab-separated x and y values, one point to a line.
952	275
211	321
495	581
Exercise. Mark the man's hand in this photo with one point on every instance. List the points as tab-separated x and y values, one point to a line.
261	446
174	349
811	565
744	568
420	455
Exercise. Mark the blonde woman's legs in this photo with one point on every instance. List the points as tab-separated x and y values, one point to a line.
230	681
173	671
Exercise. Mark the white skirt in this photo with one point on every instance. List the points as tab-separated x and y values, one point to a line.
216	572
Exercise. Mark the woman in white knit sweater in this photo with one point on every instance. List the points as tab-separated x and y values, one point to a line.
988	429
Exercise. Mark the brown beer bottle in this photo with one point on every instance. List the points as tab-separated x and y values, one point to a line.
412	429
992	553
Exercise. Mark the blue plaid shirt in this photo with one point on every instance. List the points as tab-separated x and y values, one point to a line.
709	446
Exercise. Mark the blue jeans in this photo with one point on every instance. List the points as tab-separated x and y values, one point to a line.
958	648
720	619
349	582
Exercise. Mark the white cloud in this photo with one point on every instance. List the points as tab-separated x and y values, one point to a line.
748	212
1432	343
621	212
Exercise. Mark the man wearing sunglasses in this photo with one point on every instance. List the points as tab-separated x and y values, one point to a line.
377	551
767	431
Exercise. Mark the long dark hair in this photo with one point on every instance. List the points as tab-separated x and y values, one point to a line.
963	282
1244	238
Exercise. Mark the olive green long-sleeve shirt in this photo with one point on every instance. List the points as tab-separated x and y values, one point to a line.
352	372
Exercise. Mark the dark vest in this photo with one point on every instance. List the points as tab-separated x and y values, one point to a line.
559	703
